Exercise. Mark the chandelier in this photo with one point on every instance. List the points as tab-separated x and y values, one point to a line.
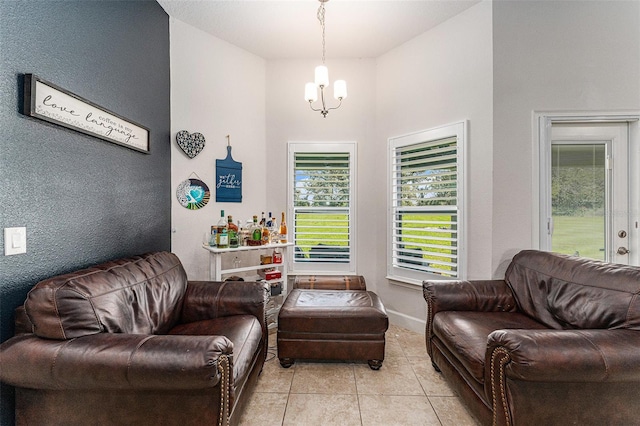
322	77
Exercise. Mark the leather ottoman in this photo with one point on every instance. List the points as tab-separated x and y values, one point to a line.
340	325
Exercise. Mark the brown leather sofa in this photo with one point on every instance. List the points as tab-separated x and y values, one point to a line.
133	342
557	342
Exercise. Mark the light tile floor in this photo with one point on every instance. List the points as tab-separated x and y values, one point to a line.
405	391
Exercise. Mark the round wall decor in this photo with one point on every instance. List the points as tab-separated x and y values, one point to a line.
193	194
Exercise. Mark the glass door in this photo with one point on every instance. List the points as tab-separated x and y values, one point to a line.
579	198
589	191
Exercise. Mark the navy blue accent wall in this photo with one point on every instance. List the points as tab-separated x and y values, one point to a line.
83	200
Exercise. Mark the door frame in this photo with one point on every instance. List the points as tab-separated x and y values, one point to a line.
541	125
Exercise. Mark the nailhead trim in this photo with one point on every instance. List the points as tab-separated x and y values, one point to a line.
223	367
504	359
429	325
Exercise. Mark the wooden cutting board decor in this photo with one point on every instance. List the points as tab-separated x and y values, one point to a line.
228	178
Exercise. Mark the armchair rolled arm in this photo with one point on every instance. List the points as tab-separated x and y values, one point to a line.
460	295
566	355
114	361
560	356
205	300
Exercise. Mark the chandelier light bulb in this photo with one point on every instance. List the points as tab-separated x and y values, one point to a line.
310	92
340	89
322	76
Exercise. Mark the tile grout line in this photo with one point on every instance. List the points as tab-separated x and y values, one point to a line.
286	405
355	381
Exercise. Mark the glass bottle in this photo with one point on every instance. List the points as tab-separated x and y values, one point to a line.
263	221
266	235
243	234
274	231
222	232
212	236
283	230
233	232
255	233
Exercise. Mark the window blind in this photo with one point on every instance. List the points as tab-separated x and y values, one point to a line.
424	198
322	207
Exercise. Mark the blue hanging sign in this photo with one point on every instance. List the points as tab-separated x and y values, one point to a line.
228	179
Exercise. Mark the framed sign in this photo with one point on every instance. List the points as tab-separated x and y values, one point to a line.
51	103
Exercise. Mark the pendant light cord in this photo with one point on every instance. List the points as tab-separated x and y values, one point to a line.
321	19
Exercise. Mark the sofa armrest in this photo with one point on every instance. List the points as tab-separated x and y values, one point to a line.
115	361
566	355
573	360
205	300
477	295
460	295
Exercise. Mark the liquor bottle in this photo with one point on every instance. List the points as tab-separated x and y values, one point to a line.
263	221
266	235
233	232
274	231
269	224
243	234
255	233
222	232
283	230
212	236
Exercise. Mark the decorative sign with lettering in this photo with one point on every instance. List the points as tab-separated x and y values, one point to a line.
51	103
228	179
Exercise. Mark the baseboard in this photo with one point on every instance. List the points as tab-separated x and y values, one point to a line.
405	321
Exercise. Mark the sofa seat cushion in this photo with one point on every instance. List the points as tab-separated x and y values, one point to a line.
465	333
333	312
245	333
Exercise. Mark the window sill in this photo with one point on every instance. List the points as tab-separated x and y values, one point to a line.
405	282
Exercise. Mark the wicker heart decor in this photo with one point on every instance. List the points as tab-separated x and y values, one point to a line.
191	143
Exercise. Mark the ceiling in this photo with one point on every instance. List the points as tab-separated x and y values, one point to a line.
290	29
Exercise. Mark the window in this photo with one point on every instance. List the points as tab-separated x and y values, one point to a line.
426	227
321	206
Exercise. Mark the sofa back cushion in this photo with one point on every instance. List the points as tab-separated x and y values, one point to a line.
566	292
137	295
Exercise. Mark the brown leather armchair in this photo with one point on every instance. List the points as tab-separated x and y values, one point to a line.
556	342
133	342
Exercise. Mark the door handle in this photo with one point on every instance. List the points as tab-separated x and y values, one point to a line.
623	250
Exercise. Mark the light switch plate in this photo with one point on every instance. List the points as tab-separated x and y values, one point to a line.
15	241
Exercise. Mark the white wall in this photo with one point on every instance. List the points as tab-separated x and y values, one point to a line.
217	89
289	118
441	77
551	56
493	65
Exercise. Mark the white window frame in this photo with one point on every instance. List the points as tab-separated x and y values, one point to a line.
327	268
459	131
541	168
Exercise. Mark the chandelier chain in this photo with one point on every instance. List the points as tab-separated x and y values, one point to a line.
321	19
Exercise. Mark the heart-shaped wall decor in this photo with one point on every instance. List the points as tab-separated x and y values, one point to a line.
191	143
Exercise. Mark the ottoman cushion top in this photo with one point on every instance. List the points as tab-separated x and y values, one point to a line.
333	311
